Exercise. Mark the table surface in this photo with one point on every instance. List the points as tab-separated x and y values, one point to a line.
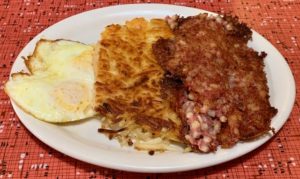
24	156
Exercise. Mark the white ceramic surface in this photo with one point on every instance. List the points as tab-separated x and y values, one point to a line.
82	141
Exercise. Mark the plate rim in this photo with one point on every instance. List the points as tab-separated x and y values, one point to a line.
148	169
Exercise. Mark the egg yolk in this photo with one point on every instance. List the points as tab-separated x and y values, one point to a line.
71	96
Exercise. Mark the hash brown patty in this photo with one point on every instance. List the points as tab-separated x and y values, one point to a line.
128	89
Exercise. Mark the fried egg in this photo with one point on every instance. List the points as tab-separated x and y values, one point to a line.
59	86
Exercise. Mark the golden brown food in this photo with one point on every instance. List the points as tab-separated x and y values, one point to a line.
226	94
128	86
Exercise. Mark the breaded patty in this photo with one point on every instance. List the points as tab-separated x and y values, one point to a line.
128	89
225	97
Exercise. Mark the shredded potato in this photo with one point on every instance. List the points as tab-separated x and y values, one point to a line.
128	87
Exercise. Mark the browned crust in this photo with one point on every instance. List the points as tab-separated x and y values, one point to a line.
128	88
156	124
211	57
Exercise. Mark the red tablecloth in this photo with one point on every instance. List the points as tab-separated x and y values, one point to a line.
24	156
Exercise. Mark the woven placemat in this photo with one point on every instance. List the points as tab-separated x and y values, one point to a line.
24	156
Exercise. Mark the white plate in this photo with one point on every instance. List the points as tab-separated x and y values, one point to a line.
83	142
